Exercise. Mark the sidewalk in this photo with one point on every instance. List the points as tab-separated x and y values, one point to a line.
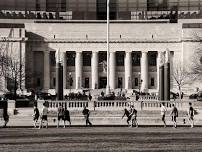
24	119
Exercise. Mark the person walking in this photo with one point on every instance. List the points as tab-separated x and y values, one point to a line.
163	113
66	117
86	114
174	115
60	114
44	116
191	115
5	117
133	115
90	96
127	114
36	115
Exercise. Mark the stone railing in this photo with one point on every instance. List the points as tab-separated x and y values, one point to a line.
107	105
71	105
155	105
148	98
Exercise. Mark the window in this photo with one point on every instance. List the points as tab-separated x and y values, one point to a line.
71	58
52	58
152	82
102	9
120	58
86	82
136	59
86	58
152	58
136	82
120	82
102	57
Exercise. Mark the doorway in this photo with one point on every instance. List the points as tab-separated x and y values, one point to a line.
102	82
86	82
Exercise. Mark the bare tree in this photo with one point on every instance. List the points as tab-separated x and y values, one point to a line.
196	66
181	77
11	67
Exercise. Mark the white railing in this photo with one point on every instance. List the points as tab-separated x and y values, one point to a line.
113	105
148	98
155	105
71	105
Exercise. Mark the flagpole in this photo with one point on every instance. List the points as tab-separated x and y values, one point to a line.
107	87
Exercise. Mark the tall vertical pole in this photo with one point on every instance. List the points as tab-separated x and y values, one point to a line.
161	76
167	76
107	87
59	77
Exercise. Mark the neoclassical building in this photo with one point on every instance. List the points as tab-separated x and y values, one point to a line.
137	38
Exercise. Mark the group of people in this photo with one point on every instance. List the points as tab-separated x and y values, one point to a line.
174	114
62	115
132	115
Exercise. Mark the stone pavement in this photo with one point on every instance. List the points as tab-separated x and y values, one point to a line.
102	118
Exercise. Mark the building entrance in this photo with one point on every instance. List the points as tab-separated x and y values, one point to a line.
86	82
102	82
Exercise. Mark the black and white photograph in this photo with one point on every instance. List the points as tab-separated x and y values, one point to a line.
100	75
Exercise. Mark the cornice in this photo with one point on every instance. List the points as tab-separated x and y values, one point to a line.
102	41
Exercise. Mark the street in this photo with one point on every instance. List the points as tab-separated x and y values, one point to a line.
101	139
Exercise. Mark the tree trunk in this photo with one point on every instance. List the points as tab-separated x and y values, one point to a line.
15	88
180	92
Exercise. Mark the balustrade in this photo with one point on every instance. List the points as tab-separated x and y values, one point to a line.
116	105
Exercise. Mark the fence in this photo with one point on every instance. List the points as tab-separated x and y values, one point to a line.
113	105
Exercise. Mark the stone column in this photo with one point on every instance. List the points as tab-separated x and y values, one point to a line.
64	61
158	58
46	85
112	69
78	69
128	70
94	70
144	72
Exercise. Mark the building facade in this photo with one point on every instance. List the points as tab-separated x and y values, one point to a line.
137	40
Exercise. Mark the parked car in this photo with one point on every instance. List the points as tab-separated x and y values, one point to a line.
45	96
199	96
174	95
193	96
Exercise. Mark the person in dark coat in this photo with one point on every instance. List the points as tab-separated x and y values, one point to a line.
127	114
90	97
66	117
36	115
5	117
86	114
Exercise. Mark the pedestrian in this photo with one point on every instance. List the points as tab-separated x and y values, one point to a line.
86	114
36	115
133	115
127	114
163	113
66	117
174	115
5	117
44	116
60	114
90	96
191	115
